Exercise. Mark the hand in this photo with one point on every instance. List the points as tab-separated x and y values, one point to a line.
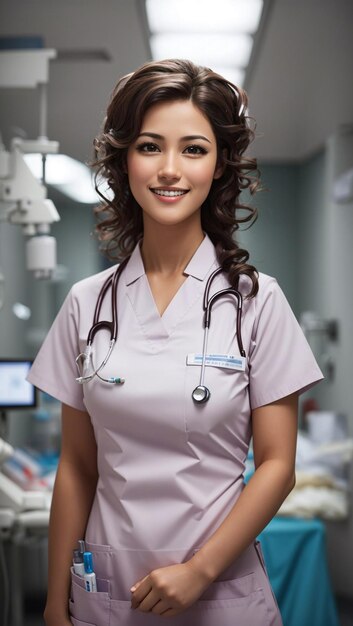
168	591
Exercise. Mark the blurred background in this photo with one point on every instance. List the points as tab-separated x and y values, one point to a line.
295	60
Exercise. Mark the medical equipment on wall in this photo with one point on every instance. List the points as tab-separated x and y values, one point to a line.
23	199
84	360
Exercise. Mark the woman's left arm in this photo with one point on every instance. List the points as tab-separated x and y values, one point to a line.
274	442
169	590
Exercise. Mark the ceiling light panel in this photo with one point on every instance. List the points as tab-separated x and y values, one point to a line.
224	50
203	15
234	75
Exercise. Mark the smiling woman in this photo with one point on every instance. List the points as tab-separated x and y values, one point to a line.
219	111
153	472
176	166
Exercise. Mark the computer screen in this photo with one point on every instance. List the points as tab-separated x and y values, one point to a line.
15	391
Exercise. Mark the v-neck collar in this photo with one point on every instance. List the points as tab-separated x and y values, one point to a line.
198	266
155	327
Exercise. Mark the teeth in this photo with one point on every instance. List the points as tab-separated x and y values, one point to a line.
171	194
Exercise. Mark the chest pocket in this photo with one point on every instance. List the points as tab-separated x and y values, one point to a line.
227	403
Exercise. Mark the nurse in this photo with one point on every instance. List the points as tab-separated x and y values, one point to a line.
151	479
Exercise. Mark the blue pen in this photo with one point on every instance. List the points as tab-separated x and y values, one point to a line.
89	576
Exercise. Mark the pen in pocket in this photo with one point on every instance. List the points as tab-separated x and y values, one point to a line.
89	576
81	546
77	562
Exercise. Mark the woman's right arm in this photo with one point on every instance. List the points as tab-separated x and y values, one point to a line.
73	495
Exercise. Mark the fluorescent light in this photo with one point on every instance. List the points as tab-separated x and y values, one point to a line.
71	177
207	15
209	50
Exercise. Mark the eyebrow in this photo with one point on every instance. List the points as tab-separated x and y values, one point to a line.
186	138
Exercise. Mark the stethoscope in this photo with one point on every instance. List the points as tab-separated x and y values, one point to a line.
201	393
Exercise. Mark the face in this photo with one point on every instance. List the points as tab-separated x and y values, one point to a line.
172	163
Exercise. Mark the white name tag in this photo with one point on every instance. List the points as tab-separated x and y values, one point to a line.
228	361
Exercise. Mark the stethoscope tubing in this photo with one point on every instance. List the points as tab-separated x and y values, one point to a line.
87	355
111	281
201	393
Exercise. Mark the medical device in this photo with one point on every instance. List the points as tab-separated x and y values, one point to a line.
15	391
201	393
84	360
23	199
6	450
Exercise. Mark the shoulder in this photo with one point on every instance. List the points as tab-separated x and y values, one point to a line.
90	287
270	305
83	295
267	286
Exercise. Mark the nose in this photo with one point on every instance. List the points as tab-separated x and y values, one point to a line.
169	168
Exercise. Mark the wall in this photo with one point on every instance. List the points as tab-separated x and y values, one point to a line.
326	286
273	240
12	261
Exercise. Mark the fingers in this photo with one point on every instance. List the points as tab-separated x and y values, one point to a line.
139	591
169	613
147	599
160	608
148	602
137	584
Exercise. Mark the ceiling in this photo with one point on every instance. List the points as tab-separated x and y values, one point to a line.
300	81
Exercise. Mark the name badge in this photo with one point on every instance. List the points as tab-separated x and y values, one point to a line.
229	361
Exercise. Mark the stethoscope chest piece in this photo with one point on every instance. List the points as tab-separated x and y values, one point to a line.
201	394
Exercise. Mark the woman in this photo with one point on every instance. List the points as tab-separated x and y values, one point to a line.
151	469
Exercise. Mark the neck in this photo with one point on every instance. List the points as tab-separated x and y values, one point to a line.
168	250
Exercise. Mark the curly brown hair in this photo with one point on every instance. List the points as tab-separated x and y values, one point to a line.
120	224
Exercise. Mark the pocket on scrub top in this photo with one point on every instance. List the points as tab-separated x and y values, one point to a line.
89	607
228	395
270	593
250	611
79	622
229	602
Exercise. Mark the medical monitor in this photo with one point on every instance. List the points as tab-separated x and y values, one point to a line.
15	391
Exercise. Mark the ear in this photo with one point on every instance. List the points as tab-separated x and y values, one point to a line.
221	165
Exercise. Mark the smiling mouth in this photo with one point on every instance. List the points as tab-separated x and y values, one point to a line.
170	193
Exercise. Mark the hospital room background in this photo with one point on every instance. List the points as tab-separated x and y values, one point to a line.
298	74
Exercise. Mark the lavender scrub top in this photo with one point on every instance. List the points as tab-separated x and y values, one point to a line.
170	470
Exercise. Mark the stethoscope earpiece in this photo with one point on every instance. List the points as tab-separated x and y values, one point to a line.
201	394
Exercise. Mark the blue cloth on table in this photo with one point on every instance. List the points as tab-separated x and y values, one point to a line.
295	555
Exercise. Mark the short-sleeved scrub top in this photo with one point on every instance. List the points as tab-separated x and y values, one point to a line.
171	470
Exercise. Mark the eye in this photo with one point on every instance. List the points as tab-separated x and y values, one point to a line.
147	146
195	150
